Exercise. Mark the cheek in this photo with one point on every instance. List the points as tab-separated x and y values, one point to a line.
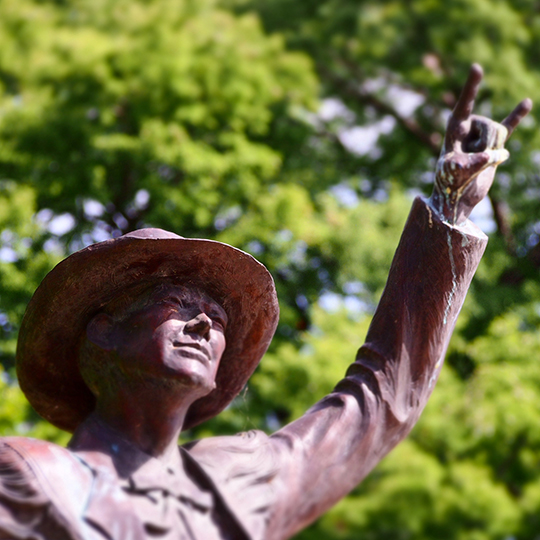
161	337
145	342
218	347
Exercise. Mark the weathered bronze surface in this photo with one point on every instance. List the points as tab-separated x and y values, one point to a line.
128	342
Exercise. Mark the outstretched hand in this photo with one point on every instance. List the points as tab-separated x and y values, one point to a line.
472	149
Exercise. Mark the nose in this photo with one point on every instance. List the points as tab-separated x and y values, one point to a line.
199	325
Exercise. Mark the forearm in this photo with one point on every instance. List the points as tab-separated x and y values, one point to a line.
407	340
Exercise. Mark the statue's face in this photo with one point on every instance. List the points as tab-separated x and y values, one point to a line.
177	334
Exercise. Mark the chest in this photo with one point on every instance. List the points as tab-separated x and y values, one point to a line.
154	505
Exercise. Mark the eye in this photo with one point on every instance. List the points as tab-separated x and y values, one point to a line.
172	300
218	321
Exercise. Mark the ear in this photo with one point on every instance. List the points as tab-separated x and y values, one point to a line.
99	331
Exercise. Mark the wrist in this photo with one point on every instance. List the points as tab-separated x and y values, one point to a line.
449	206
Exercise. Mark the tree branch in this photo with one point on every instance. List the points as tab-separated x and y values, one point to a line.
356	92
501	214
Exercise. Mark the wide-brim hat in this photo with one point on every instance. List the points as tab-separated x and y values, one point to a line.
81	285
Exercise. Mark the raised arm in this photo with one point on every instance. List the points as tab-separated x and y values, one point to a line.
277	485
329	450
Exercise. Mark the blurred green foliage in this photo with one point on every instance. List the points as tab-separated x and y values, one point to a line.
297	131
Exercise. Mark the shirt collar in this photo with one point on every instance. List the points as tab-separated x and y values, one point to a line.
137	471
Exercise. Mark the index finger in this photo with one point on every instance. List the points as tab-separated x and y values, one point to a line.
465	103
515	117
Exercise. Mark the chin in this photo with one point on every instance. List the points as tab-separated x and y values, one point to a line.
190	374
178	383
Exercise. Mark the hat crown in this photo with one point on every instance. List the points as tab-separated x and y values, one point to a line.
151	233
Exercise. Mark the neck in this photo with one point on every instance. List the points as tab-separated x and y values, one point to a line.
150	418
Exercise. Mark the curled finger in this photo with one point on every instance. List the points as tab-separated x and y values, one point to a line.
490	157
477	162
455	171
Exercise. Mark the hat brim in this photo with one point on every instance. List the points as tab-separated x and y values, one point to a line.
78	287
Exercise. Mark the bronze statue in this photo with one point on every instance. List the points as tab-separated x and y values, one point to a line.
130	341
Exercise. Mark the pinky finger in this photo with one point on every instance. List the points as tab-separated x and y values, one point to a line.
515	117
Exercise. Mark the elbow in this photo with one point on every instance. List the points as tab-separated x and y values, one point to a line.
396	404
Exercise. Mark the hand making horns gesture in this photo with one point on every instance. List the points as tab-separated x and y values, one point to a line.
472	149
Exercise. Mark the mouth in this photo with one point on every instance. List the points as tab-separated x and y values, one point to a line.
198	350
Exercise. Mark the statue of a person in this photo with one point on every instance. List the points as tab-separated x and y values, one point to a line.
130	341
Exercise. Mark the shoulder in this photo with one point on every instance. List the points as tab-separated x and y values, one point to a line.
17	479
47	462
237	455
43	478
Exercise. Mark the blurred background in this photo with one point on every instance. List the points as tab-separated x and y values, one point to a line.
298	131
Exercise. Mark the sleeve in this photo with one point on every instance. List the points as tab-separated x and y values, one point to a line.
21	504
26	512
328	451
